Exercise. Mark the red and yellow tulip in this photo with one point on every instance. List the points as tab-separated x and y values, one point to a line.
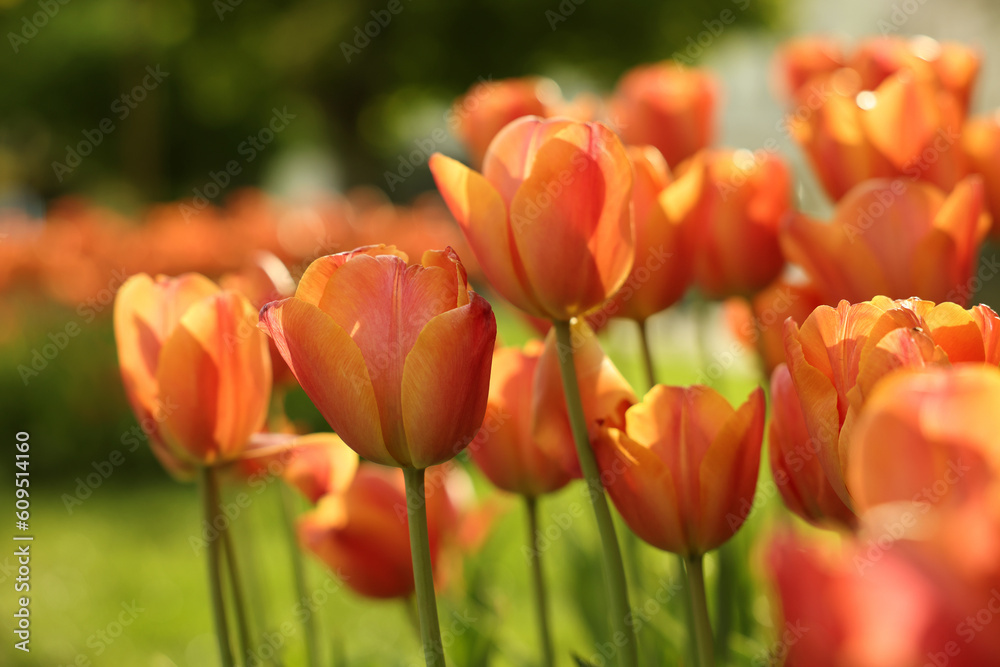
549	218
395	357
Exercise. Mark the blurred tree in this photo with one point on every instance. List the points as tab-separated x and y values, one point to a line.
346	71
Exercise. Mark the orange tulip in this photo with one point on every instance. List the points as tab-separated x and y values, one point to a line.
795	460
266	279
363	535
734	203
683	469
396	358
929	437
771	307
549	217
490	105
876	604
906	126
981	141
668	106
950	66
799	62
893	238
838	355
506	451
195	369
662	270
604	392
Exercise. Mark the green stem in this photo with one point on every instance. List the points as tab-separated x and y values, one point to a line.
647	355
423	574
299	574
614	570
235	584
538	580
701	628
210	498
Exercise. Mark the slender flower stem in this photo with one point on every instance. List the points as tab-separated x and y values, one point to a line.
210	498
538	580
423	574
299	574
614	570
236	586
647	355
702	627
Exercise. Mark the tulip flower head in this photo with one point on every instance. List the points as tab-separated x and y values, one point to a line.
363	536
683	469
893	238
838	355
195	369
395	357
507	452
668	106
549	217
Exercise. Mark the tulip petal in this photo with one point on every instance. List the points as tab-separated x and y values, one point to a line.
314	281
729	469
903	119
331	369
642	488
481	214
445	382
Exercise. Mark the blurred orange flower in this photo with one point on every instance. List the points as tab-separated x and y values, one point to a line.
195	368
668	106
893	238
604	392
506	451
734	202
363	534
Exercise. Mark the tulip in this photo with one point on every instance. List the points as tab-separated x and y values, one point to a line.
362	535
548	219
795	460
950	66
605	393
662	270
266	279
771	306
981	142
508	453
875	606
893	238
396	358
667	106
906	126
837	357
927	437
734	201
490	105
802	61
195	369
682	471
